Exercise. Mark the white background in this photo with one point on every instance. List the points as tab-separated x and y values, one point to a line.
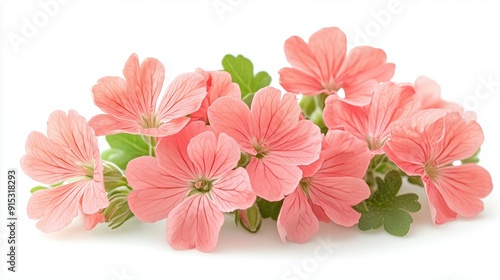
55	66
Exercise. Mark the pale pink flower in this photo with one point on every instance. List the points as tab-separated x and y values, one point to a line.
427	146
272	134
218	84
322	66
69	153
191	182
328	190
130	103
430	95
370	123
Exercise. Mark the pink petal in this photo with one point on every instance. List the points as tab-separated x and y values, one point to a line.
440	212
296	81
463	186
46	163
359	94
168	128
272	179
90	221
311	169
274	117
296	220
233	191
218	84
329	58
365	63
155	193
110	94
390	103
430	96
94	197
144	83
338	114
172	152
343	156
105	124
57	207
72	133
182	97
461	139
301	145
318	211
429	92
301	58
213	157
194	223
337	195
232	116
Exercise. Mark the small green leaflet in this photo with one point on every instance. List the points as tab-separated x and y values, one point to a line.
38	188
241	70
124	148
269	209
386	208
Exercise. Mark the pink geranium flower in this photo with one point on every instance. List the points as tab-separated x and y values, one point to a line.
430	95
370	123
427	146
191	182
218	84
272	134
321	66
328	190
130	103
69	153
429	92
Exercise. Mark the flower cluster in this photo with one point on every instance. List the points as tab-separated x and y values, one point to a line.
334	147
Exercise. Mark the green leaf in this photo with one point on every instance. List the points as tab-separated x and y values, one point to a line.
248	99
124	148
38	188
269	209
386	208
241	70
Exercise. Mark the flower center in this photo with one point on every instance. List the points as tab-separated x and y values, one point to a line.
331	87
261	150
304	184
203	185
88	170
149	122
431	169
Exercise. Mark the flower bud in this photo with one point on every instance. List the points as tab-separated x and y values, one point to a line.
118	211
250	219
113	176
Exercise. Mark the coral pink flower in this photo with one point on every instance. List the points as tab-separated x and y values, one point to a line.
218	84
130	103
328	190
370	123
69	153
321	66
430	97
191	182
427	145
272	134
